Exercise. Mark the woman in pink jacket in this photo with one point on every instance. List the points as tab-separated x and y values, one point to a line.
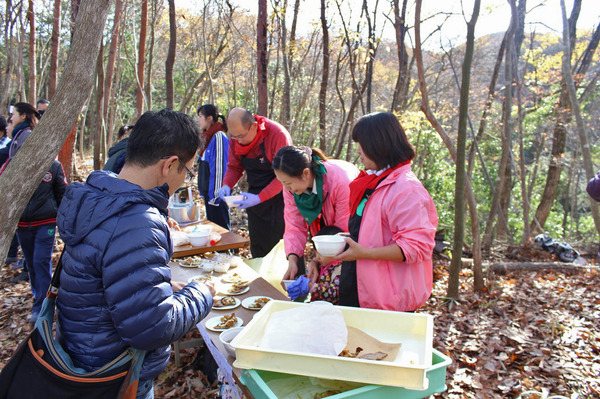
392	223
315	196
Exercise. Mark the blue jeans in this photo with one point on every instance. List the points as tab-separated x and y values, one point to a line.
145	389
37	244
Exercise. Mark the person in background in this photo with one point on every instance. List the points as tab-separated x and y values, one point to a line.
24	119
42	106
118	151
4	139
315	193
115	287
593	189
392	223
212	163
37	226
253	142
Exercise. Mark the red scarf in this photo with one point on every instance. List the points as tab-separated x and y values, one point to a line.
364	182
239	149
207	135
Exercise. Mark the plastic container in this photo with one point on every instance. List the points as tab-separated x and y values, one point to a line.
329	245
407	370
256	382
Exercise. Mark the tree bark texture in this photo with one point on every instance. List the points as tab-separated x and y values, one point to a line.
324	81
54	51
99	153
9	21
22	176
459	190
32	65
261	55
141	65
171	54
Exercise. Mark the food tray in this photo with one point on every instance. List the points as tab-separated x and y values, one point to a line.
256	381
408	370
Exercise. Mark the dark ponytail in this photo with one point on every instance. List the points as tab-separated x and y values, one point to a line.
32	116
211	110
292	160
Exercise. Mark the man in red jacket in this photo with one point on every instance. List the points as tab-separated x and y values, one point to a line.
253	142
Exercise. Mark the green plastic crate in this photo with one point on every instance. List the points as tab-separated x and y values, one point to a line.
256	382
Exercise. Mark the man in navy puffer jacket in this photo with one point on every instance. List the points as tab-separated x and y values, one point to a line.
116	289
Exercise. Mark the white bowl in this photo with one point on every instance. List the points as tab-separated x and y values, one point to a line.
232	199
329	245
286	283
199	238
227	336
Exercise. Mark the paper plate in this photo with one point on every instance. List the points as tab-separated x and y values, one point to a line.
235	305
248	302
214	321
226	291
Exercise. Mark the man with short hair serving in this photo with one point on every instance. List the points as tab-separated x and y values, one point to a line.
253	142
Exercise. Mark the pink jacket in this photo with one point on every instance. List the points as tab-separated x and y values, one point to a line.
400	211
335	211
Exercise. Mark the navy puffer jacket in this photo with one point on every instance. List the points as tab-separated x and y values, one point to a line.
115	289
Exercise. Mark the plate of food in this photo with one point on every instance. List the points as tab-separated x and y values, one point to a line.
237	289
226	303
222	323
255	302
234	278
192	261
200	279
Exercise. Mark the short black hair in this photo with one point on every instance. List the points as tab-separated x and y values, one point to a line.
162	133
383	139
247	119
41	101
3	125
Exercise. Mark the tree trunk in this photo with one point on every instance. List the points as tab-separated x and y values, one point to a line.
261	61
403	80
99	119
501	268
5	88
503	187
559	140
54	52
32	66
171	54
471	201
370	54
141	65
571	91
110	66
324	81
459	189
22	176
288	56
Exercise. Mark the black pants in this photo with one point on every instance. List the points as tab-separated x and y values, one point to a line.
265	225
218	214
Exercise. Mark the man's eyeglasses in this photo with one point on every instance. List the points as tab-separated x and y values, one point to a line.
190	176
240	136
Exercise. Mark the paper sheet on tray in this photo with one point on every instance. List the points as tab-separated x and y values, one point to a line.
359	338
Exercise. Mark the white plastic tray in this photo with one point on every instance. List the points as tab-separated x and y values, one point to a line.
414	331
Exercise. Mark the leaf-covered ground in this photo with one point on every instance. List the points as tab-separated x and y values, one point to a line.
530	335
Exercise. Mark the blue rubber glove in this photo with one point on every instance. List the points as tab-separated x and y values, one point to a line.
298	288
249	201
224	192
